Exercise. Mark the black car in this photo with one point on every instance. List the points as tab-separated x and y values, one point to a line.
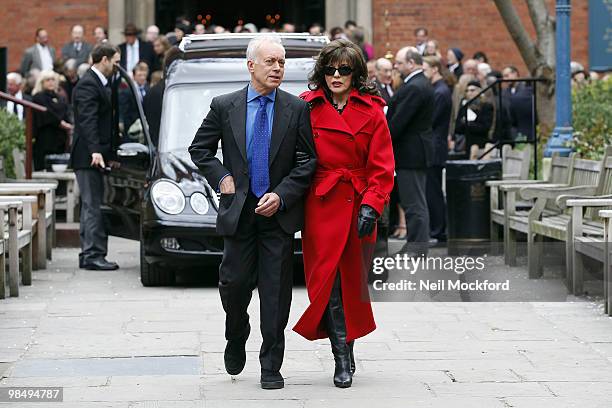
157	195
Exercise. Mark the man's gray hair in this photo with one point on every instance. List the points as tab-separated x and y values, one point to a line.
257	42
15	77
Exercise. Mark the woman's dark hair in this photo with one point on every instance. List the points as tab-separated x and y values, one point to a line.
342	52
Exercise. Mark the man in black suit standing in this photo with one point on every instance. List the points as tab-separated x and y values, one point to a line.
261	128
92	151
384	78
410	123
76	49
133	50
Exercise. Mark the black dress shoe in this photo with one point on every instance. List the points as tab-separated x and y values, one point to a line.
99	265
272	380
235	354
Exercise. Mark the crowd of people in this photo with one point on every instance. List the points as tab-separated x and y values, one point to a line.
448	101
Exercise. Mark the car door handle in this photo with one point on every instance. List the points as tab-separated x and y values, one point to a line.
127	153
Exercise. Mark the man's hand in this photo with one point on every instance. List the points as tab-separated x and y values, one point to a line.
227	185
268	205
65	125
97	160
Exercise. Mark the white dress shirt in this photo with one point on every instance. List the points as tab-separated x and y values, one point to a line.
100	75
46	60
133	55
11	106
413	73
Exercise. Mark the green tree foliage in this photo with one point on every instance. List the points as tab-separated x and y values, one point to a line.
12	135
592	106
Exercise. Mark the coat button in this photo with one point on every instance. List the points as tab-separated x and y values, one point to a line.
245	193
349	199
245	172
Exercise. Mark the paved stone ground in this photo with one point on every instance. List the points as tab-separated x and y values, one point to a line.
112	343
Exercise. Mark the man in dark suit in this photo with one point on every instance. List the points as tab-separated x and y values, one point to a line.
128	109
518	98
76	49
432	68
410	123
92	151
384	78
261	128
133	50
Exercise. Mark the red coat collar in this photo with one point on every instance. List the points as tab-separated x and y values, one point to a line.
368	100
353	119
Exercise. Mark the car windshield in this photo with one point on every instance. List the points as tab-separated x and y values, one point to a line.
185	106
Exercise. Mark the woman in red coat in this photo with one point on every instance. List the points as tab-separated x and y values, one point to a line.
350	187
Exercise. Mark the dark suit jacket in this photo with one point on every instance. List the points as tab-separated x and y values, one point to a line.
383	91
82	56
291	131
152	106
441	121
145	53
519	104
93	117
128	109
410	122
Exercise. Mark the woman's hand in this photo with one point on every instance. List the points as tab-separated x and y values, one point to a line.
366	220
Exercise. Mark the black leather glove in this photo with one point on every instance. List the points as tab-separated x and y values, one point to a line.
366	220
301	158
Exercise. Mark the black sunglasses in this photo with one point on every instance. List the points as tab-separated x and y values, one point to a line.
344	70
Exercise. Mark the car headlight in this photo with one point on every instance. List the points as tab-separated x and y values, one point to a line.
199	203
168	197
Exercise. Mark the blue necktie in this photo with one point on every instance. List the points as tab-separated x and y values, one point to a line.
260	177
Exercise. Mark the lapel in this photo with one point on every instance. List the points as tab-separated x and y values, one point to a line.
352	120
104	90
36	57
282	117
237	117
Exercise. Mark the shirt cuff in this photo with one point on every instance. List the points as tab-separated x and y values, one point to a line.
219	185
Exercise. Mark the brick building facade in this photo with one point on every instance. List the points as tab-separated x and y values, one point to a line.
471	25
19	20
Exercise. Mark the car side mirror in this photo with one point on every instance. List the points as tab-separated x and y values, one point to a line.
133	155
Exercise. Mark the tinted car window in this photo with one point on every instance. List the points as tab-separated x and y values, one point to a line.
185	106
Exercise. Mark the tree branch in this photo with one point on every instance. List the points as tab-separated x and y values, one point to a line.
518	32
544	25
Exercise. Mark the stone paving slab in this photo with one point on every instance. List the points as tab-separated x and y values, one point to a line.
113	343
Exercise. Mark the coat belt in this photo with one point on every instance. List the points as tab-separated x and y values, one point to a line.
326	179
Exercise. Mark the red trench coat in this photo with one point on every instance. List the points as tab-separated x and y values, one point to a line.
354	166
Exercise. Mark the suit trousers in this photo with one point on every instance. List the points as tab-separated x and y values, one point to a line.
436	203
94	238
412	186
259	254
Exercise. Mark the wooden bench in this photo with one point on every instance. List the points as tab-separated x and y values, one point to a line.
548	219
606	216
504	203
71	201
583	173
16	235
44	224
516	163
585	232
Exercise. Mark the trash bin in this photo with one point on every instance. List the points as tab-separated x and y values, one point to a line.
468	202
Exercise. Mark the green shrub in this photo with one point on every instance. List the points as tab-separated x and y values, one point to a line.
12	135
592	119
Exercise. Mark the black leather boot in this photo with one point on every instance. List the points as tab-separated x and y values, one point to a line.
336	328
351	344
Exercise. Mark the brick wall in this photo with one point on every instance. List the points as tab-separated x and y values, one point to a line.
19	20
471	25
